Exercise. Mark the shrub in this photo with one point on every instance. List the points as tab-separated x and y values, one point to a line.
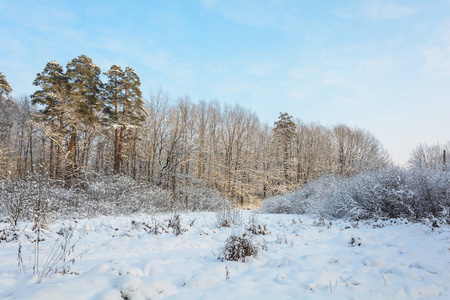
389	193
200	198
175	224
240	245
279	205
31	199
121	195
37	198
255	227
228	217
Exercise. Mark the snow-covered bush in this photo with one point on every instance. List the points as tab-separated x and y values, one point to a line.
120	195
226	216
38	198
240	245
16	200
280	204
31	198
255	227
388	193
8	232
175	224
200	198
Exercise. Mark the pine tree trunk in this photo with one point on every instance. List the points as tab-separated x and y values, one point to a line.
51	150
116	151
71	170
119	149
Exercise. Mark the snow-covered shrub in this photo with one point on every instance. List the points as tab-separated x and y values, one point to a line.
29	199
319	221
8	233
355	242
402	193
431	191
312	198
200	198
37	198
16	200
120	195
240	245
112	195
228	217
280	204
255	227
175	224
388	193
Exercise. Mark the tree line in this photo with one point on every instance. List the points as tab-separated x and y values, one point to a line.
76	125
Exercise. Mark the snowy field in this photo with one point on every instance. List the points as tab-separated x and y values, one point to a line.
123	258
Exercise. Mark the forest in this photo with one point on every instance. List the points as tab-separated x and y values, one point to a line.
83	123
111	192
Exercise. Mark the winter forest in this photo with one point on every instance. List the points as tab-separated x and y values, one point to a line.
89	147
77	126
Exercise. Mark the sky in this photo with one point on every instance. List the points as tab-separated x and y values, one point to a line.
379	65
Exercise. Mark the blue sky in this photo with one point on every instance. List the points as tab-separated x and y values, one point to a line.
379	65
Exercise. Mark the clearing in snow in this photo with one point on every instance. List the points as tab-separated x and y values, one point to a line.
299	257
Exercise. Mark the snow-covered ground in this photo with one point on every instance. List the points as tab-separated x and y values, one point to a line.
124	259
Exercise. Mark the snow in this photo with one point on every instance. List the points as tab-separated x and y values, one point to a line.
238	232
122	259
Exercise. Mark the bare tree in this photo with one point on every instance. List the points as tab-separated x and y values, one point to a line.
428	156
356	151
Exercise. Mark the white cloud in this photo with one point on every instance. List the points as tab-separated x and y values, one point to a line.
302	95
335	78
208	3
274	14
379	66
303	73
437	60
375	10
437	52
386	10
262	68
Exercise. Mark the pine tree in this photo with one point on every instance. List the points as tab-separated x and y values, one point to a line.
85	102
51	81
85	87
5	88
124	106
52	98
284	130
6	124
114	96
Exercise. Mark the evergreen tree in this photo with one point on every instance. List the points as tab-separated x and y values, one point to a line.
5	112
51	81
124	106
5	88
85	97
52	96
284	130
85	87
